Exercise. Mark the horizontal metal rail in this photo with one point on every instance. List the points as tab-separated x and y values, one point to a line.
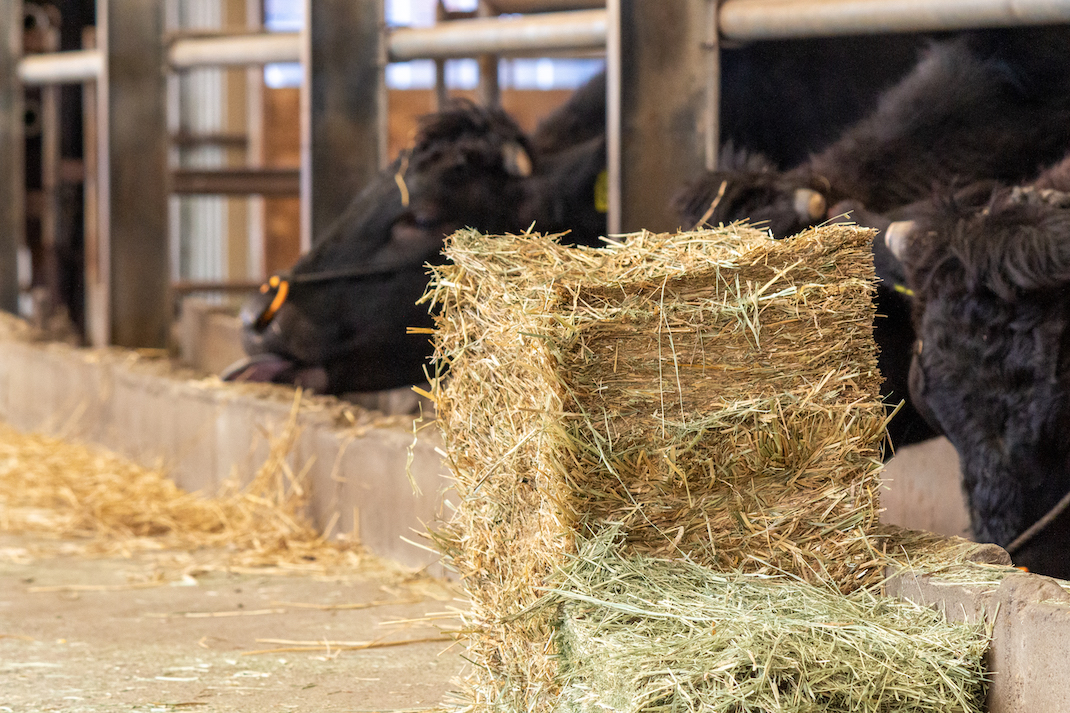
783	19
578	30
555	31
237	50
72	67
522	6
237	181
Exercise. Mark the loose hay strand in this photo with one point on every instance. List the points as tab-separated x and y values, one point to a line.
69	490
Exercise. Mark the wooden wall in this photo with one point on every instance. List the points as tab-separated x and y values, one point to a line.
282	149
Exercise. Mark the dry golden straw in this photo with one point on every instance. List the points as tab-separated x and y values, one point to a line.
69	490
714	394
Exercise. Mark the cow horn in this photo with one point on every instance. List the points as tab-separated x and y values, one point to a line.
809	204
897	236
516	159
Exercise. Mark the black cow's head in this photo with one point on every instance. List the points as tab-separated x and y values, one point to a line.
747	186
991	366
338	321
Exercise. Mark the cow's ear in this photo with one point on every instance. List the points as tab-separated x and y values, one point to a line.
809	205
516	160
897	237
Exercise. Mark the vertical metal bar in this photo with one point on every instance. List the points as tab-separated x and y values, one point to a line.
133	164
442	92
656	46
234	120
12	198
96	285
50	158
343	107
490	93
254	151
712	48
613	115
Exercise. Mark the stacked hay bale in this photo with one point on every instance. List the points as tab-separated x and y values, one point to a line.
640	634
710	395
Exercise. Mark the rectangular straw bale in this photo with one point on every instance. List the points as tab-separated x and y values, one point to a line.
715	393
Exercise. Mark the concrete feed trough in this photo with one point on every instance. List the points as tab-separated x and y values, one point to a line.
202	431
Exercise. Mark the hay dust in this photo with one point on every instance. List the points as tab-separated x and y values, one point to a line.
711	396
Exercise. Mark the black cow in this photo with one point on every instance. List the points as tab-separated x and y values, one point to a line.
990	273
985	105
337	322
567	192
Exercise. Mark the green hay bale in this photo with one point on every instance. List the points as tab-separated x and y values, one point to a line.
643	634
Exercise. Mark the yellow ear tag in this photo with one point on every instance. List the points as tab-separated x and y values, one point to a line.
601	192
280	298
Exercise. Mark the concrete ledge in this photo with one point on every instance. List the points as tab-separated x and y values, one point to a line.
923	490
1029	617
202	431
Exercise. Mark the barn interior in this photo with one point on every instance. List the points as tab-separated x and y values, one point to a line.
166	158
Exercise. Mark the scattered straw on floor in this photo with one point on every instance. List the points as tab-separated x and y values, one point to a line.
642	634
73	491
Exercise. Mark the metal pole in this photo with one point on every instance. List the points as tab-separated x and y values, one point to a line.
658	98
343	109
781	19
490	93
614	71
581	29
458	38
236	50
133	166
442	92
73	67
12	198
712	49
50	159
97	319
529	6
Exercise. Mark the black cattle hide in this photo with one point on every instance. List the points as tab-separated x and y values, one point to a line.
348	332
985	105
990	272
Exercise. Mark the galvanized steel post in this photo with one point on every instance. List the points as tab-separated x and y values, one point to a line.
11	154
343	108
660	127
133	171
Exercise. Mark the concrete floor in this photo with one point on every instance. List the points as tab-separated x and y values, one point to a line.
79	634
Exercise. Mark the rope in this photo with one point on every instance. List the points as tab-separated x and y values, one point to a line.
1039	526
